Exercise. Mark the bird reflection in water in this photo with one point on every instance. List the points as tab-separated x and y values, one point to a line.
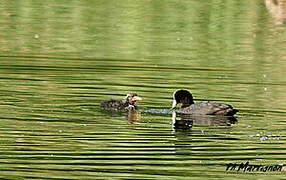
186	121
133	116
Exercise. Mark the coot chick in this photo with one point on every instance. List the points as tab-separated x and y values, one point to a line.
122	104
203	108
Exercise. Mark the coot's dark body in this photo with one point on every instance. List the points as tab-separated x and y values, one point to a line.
208	108
121	104
204	108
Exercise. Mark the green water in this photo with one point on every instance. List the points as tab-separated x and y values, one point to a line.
59	59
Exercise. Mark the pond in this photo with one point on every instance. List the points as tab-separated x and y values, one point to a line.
60	59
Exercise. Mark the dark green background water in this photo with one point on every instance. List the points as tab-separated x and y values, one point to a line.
59	59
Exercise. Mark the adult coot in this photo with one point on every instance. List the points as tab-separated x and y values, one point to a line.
203	108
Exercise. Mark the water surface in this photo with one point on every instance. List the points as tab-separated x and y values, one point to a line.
60	59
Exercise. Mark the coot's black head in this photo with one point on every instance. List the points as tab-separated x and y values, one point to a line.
132	98
182	96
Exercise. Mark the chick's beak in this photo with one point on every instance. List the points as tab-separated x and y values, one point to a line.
136	98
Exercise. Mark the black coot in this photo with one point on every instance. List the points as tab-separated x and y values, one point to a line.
203	108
